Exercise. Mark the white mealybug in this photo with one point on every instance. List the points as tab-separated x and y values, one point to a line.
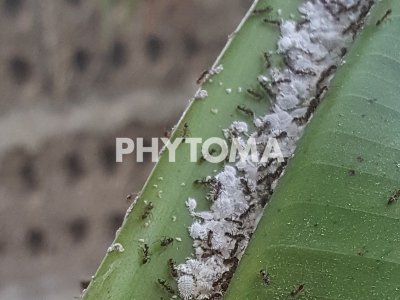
117	247
195	266
240	127
216	70
191	204
197	231
186	287
201	94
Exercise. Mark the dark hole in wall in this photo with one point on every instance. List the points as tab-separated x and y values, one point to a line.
118	54
81	60
20	69
73	165
154	47
191	45
28	174
47	84
115	221
78	229
107	156
12	7
35	240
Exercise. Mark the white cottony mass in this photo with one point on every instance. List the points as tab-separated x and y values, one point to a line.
312	49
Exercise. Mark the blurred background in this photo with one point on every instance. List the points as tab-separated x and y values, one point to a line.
74	75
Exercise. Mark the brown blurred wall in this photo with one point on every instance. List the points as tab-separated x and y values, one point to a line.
75	74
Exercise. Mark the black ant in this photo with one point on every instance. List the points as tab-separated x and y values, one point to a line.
235	248
232	260
261	129
166	241
254	94
365	10
269	178
297	290
288	63
343	52
227	276
235	265
362	252
265	167
185	132
344	8
203	77
146	254
281	135
247	212
356	25
329	9
234	221
279	81
394	197
167	132
172	268
267	58
211	151
266	197
210	253
209	238
224	286
302	23
387	13
246	110
132	197
324	75
206	181
312	107
164	284
247	190
237	237
147	210
259	11
280	169
216	192
273	22
217	282
306	72
215	296
265	277
351	172
265	86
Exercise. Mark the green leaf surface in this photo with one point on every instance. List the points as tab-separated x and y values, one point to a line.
123	275
329	226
